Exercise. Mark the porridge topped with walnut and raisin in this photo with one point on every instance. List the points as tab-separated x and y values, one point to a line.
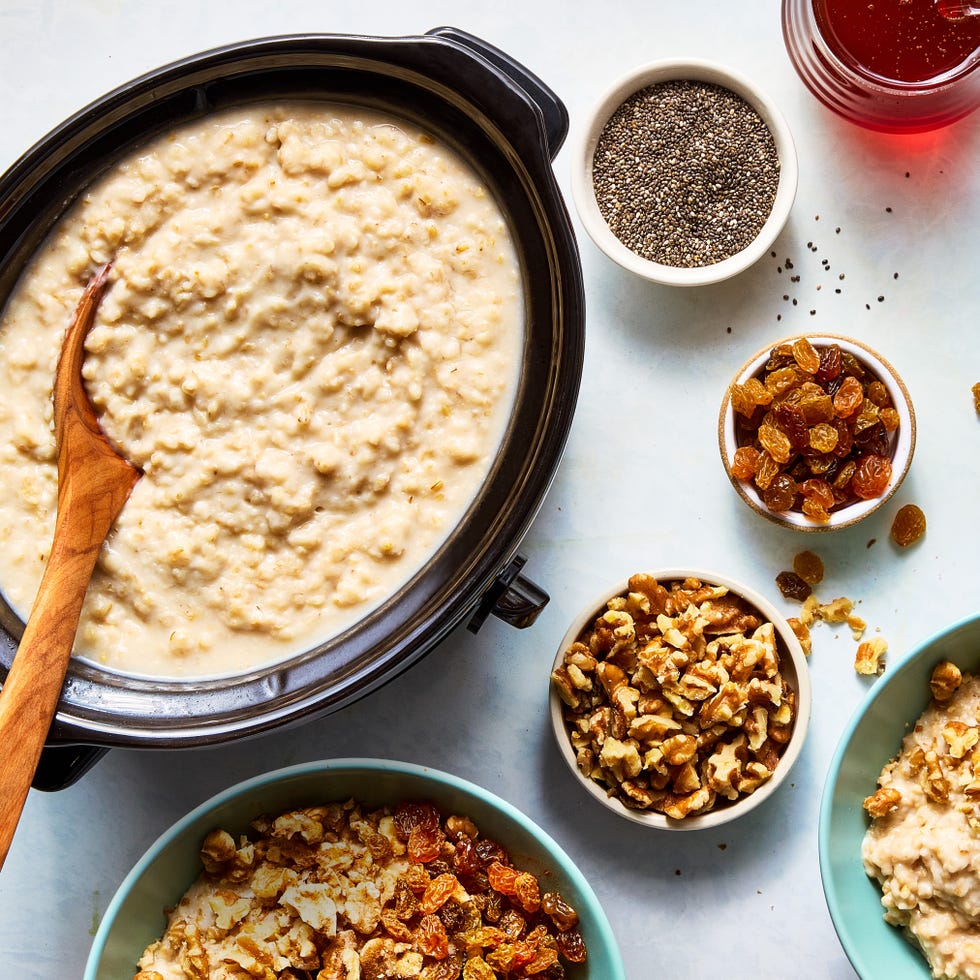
923	844
345	892
310	346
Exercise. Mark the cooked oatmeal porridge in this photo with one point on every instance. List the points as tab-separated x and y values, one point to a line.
345	892
923	844
310	346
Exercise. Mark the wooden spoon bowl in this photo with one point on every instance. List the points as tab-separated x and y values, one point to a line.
94	482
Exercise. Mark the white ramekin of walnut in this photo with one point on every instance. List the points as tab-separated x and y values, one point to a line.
816	432
680	699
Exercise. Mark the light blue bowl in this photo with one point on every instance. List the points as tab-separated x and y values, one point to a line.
135	916
874	736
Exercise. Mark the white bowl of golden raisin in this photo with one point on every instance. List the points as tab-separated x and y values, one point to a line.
680	699
816	431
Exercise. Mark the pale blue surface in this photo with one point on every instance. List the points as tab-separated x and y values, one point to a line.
641	483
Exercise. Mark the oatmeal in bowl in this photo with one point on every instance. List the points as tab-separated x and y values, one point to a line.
350	868
913	829
922	844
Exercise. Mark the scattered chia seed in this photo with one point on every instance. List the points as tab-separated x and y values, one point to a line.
685	173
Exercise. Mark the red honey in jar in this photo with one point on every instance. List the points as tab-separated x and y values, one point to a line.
892	65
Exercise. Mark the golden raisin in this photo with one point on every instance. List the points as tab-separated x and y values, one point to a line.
782	379
775	442
744	462
815	511
849	397
809	567
908	526
871	476
806	356
823	438
976	397
878	393
889	418
765	471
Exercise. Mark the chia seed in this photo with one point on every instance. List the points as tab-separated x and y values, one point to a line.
685	173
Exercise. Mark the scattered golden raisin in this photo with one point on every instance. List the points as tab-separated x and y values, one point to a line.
908	526
809	567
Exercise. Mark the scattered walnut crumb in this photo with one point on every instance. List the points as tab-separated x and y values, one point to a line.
835	611
976	397
857	625
869	658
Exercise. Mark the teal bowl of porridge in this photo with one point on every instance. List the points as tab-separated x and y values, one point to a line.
135	917
937	857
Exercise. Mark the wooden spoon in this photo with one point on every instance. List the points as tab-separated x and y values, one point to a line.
94	483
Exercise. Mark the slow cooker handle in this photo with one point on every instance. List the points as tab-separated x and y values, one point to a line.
61	766
552	109
512	597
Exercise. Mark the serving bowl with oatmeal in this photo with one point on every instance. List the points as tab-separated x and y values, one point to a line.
922	847
680	699
322	345
363	824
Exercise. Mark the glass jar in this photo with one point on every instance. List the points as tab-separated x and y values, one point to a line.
858	88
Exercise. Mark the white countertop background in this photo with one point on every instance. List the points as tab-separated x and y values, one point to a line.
641	484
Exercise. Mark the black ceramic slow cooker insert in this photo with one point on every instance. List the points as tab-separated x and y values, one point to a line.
509	126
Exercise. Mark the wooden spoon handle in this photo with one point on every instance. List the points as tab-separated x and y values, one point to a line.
93	485
30	694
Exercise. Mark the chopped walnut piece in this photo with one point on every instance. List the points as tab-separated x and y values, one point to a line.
857	625
808	612
882	802
835	611
869	658
960	738
678	674
945	679
802	633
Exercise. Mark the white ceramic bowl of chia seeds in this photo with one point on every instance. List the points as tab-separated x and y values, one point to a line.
685	173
